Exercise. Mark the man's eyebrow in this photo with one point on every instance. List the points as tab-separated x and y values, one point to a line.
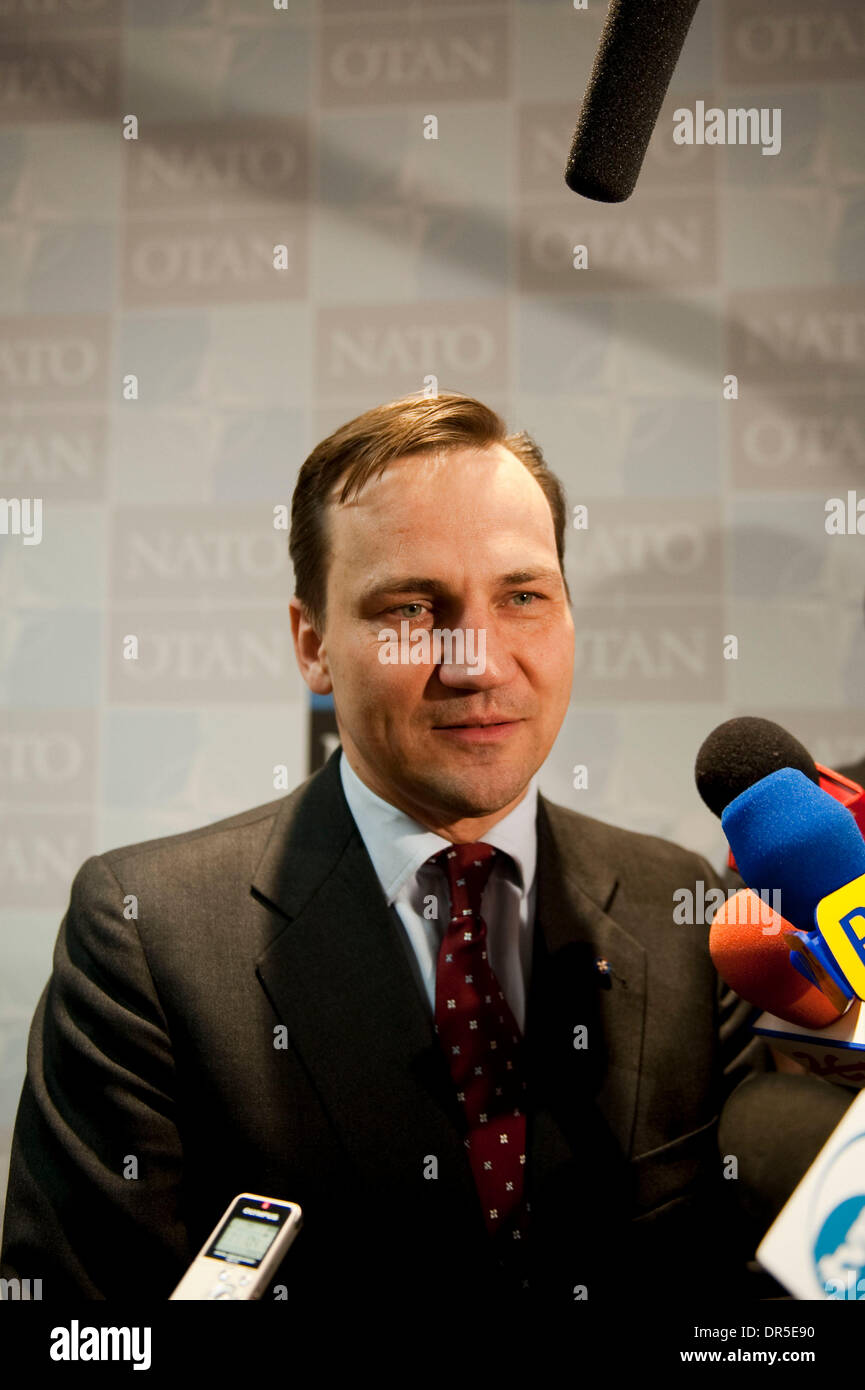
529	576
413	584
400	584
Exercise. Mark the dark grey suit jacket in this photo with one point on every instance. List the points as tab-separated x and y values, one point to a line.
154	1041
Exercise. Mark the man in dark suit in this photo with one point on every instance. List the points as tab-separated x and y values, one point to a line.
257	1005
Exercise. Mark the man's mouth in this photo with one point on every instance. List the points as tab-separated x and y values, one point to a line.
478	730
474	723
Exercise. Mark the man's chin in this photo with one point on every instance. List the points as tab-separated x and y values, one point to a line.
465	794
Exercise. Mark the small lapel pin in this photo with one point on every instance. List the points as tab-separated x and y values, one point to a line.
604	971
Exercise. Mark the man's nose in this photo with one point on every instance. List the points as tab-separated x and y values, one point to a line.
475	657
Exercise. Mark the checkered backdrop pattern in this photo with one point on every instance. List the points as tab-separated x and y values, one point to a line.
405	257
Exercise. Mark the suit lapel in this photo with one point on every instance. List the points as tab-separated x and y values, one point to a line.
338	975
583	1098
571	988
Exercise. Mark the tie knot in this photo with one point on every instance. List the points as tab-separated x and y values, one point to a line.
468	868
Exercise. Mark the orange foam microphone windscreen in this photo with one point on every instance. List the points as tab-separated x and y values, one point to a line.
749	952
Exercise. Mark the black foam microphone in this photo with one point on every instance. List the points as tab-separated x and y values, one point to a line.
639	48
741	752
776	1124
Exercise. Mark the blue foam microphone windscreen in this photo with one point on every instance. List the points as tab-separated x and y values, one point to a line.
788	834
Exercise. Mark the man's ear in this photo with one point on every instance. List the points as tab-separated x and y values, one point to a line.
309	648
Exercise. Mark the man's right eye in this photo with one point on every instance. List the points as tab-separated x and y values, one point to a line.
403	608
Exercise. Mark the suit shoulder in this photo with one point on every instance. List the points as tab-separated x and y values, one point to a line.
252	826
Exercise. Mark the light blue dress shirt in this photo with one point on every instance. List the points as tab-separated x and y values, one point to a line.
399	848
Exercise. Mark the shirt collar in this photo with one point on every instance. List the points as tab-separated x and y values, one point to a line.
399	845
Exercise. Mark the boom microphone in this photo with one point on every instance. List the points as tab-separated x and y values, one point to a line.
639	48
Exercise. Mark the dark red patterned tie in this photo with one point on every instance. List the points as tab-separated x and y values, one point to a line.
482	1042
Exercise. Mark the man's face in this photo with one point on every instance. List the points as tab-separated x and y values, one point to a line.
464	540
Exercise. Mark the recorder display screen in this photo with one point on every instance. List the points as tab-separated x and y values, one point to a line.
244	1241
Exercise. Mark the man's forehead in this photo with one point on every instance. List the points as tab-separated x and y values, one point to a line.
401	537
407	480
